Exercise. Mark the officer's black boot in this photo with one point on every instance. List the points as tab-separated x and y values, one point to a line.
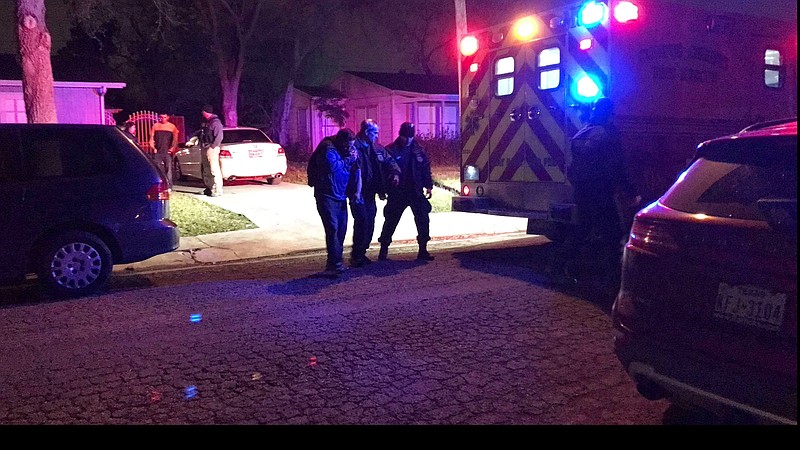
383	254
423	254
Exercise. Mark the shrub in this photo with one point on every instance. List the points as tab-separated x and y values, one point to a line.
298	151
443	150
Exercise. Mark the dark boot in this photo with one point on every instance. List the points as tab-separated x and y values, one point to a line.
383	254
423	254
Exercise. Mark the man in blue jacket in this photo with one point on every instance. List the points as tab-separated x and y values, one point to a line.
339	178
414	190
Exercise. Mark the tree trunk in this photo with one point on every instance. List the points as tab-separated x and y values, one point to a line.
286	113
230	93
37	71
230	96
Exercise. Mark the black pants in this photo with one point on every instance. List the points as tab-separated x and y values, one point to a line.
594	241
363	225
164	162
393	211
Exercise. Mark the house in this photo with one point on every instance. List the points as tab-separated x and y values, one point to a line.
76	101
430	102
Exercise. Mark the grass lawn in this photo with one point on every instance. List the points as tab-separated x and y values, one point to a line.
195	217
446	184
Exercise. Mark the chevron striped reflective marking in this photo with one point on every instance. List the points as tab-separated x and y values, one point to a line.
526	150
594	61
531	150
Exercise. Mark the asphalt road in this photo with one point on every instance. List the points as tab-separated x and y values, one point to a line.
474	337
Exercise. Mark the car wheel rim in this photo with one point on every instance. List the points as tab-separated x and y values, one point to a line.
76	265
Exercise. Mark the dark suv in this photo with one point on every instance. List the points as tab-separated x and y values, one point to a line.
77	199
706	315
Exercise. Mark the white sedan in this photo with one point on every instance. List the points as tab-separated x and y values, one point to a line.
245	153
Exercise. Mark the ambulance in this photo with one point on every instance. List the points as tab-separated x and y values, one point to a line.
677	75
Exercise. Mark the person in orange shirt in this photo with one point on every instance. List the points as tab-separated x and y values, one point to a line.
164	141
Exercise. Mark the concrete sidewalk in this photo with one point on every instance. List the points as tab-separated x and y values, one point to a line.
288	224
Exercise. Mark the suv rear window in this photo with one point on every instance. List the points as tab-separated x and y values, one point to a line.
49	152
730	187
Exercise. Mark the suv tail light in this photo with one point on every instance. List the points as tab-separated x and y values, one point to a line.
225	154
158	191
652	235
281	151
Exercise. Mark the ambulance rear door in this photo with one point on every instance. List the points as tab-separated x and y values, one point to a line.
528	134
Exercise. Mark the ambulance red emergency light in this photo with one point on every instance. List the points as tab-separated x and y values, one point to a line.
677	75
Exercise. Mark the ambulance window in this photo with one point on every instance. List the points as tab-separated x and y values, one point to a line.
773	65
772	58
549	57
504	66
549	61
505	84
549	79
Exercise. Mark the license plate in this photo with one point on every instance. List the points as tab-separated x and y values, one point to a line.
750	305
255	153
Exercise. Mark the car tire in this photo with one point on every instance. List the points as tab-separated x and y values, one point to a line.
275	180
177	174
74	264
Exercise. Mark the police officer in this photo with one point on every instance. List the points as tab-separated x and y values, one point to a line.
597	175
414	190
378	171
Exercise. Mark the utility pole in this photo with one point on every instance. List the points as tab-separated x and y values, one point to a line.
461	19
461	31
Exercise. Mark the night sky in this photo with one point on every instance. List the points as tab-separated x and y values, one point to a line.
58	20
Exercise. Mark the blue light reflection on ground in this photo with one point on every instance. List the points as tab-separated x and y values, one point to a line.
191	392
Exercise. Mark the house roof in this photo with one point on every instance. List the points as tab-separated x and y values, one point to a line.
412	82
64	69
314	91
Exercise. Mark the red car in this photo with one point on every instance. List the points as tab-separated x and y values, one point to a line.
706	315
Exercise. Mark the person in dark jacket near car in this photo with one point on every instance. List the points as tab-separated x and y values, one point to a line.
338	179
212	173
129	128
414	190
379	171
598	178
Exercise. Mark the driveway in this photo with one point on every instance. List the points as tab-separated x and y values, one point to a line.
289	210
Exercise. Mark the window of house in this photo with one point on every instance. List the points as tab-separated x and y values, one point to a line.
436	119
427	119
365	112
327	126
12	109
549	63
450	119
504	76
773	68
302	123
